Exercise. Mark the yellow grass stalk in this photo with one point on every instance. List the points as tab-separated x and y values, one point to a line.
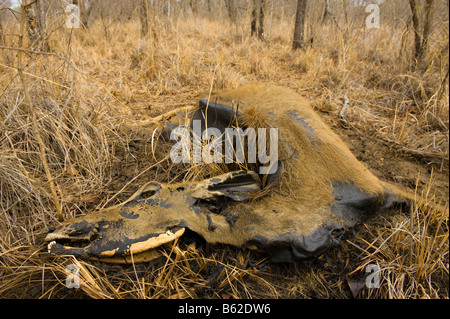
34	120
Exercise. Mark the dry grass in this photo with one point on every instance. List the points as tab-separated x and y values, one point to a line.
101	80
411	251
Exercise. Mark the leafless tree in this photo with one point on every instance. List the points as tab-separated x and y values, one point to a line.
257	22
415	23
232	10
426	31
254	18
36	22
3	5
262	5
299	28
144	16
421	39
85	10
194	6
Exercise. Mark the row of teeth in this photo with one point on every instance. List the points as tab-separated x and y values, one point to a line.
53	243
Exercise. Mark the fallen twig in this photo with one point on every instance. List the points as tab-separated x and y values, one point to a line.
160	118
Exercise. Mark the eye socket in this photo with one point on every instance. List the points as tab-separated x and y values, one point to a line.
148	194
149	190
94	237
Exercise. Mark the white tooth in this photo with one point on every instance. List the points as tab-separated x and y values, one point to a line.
50	245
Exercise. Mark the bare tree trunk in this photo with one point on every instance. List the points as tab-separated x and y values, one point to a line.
194	6
143	15
325	12
415	23
232	10
421	40
257	22
41	16
85	11
299	29
254	18
421	55
262	4
270	20
35	25
209	5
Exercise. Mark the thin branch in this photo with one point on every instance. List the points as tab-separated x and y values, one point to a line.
160	118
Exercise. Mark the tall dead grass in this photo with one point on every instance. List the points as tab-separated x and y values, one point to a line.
97	81
411	251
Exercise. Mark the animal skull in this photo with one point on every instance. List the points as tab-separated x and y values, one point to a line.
318	191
